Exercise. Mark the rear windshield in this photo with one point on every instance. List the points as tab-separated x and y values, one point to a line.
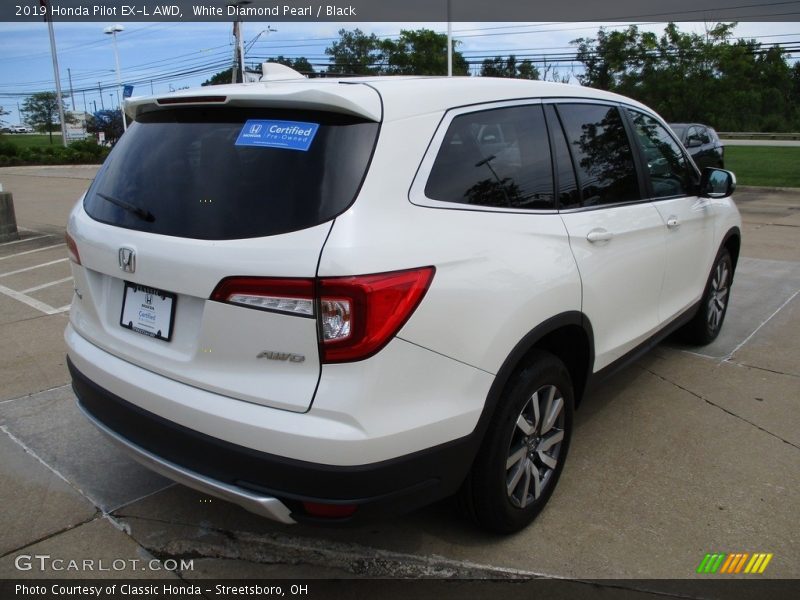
231	173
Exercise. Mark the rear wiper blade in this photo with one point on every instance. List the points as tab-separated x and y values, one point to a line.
144	215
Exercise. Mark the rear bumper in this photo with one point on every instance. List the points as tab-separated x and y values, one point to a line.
270	485
266	506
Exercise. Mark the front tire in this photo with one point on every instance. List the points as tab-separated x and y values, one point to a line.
523	453
707	323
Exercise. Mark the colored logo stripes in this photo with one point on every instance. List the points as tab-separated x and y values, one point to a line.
734	563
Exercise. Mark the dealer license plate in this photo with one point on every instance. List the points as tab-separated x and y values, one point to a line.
148	311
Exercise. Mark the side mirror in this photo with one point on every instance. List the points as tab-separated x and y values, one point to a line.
717	183
693	142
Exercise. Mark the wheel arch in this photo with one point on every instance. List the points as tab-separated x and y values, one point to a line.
732	241
568	336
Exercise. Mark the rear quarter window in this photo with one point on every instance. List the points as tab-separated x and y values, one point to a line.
181	173
495	158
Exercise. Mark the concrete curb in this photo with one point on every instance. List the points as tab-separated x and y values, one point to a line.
772	190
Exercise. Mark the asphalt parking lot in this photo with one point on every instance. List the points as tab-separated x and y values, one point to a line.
687	452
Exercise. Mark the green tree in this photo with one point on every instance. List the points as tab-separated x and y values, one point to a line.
108	122
3	113
301	64
415	52
509	67
220	78
355	53
42	111
794	92
734	85
421	52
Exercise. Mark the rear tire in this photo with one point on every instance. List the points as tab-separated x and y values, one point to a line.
524	450
707	323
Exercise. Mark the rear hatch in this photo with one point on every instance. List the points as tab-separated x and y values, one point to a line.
192	196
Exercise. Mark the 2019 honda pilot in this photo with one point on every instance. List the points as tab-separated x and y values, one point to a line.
330	299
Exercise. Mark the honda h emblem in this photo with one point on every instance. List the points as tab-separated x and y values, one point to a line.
127	260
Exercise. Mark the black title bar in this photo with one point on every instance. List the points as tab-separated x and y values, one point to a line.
396	11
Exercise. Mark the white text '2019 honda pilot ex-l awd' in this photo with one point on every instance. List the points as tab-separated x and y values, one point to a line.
327	300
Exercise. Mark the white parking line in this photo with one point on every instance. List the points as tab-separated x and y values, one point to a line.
756	330
47	264
32	302
30	239
45	285
32	251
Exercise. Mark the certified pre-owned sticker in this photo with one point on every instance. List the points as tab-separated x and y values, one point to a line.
290	135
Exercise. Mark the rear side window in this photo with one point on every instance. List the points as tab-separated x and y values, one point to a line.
496	158
670	173
679	130
192	173
601	153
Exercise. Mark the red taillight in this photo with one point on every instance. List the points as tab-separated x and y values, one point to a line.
357	316
329	511
72	249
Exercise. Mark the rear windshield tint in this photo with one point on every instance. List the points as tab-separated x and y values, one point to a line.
193	173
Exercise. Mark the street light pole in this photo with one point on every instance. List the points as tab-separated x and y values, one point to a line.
449	42
112	31
49	20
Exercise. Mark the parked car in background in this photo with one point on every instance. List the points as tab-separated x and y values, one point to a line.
6	130
702	142
326	300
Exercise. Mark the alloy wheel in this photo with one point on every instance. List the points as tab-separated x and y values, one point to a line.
718	296
535	446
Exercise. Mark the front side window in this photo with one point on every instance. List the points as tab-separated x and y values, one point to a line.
601	153
495	158
670	173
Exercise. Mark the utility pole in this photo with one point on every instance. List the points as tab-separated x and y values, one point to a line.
240	43
71	96
49	21
237	73
102	106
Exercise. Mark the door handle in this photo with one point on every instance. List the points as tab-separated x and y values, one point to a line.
672	222
599	235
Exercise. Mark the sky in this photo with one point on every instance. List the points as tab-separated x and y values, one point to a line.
165	56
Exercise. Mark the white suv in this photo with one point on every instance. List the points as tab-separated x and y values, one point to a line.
326	300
